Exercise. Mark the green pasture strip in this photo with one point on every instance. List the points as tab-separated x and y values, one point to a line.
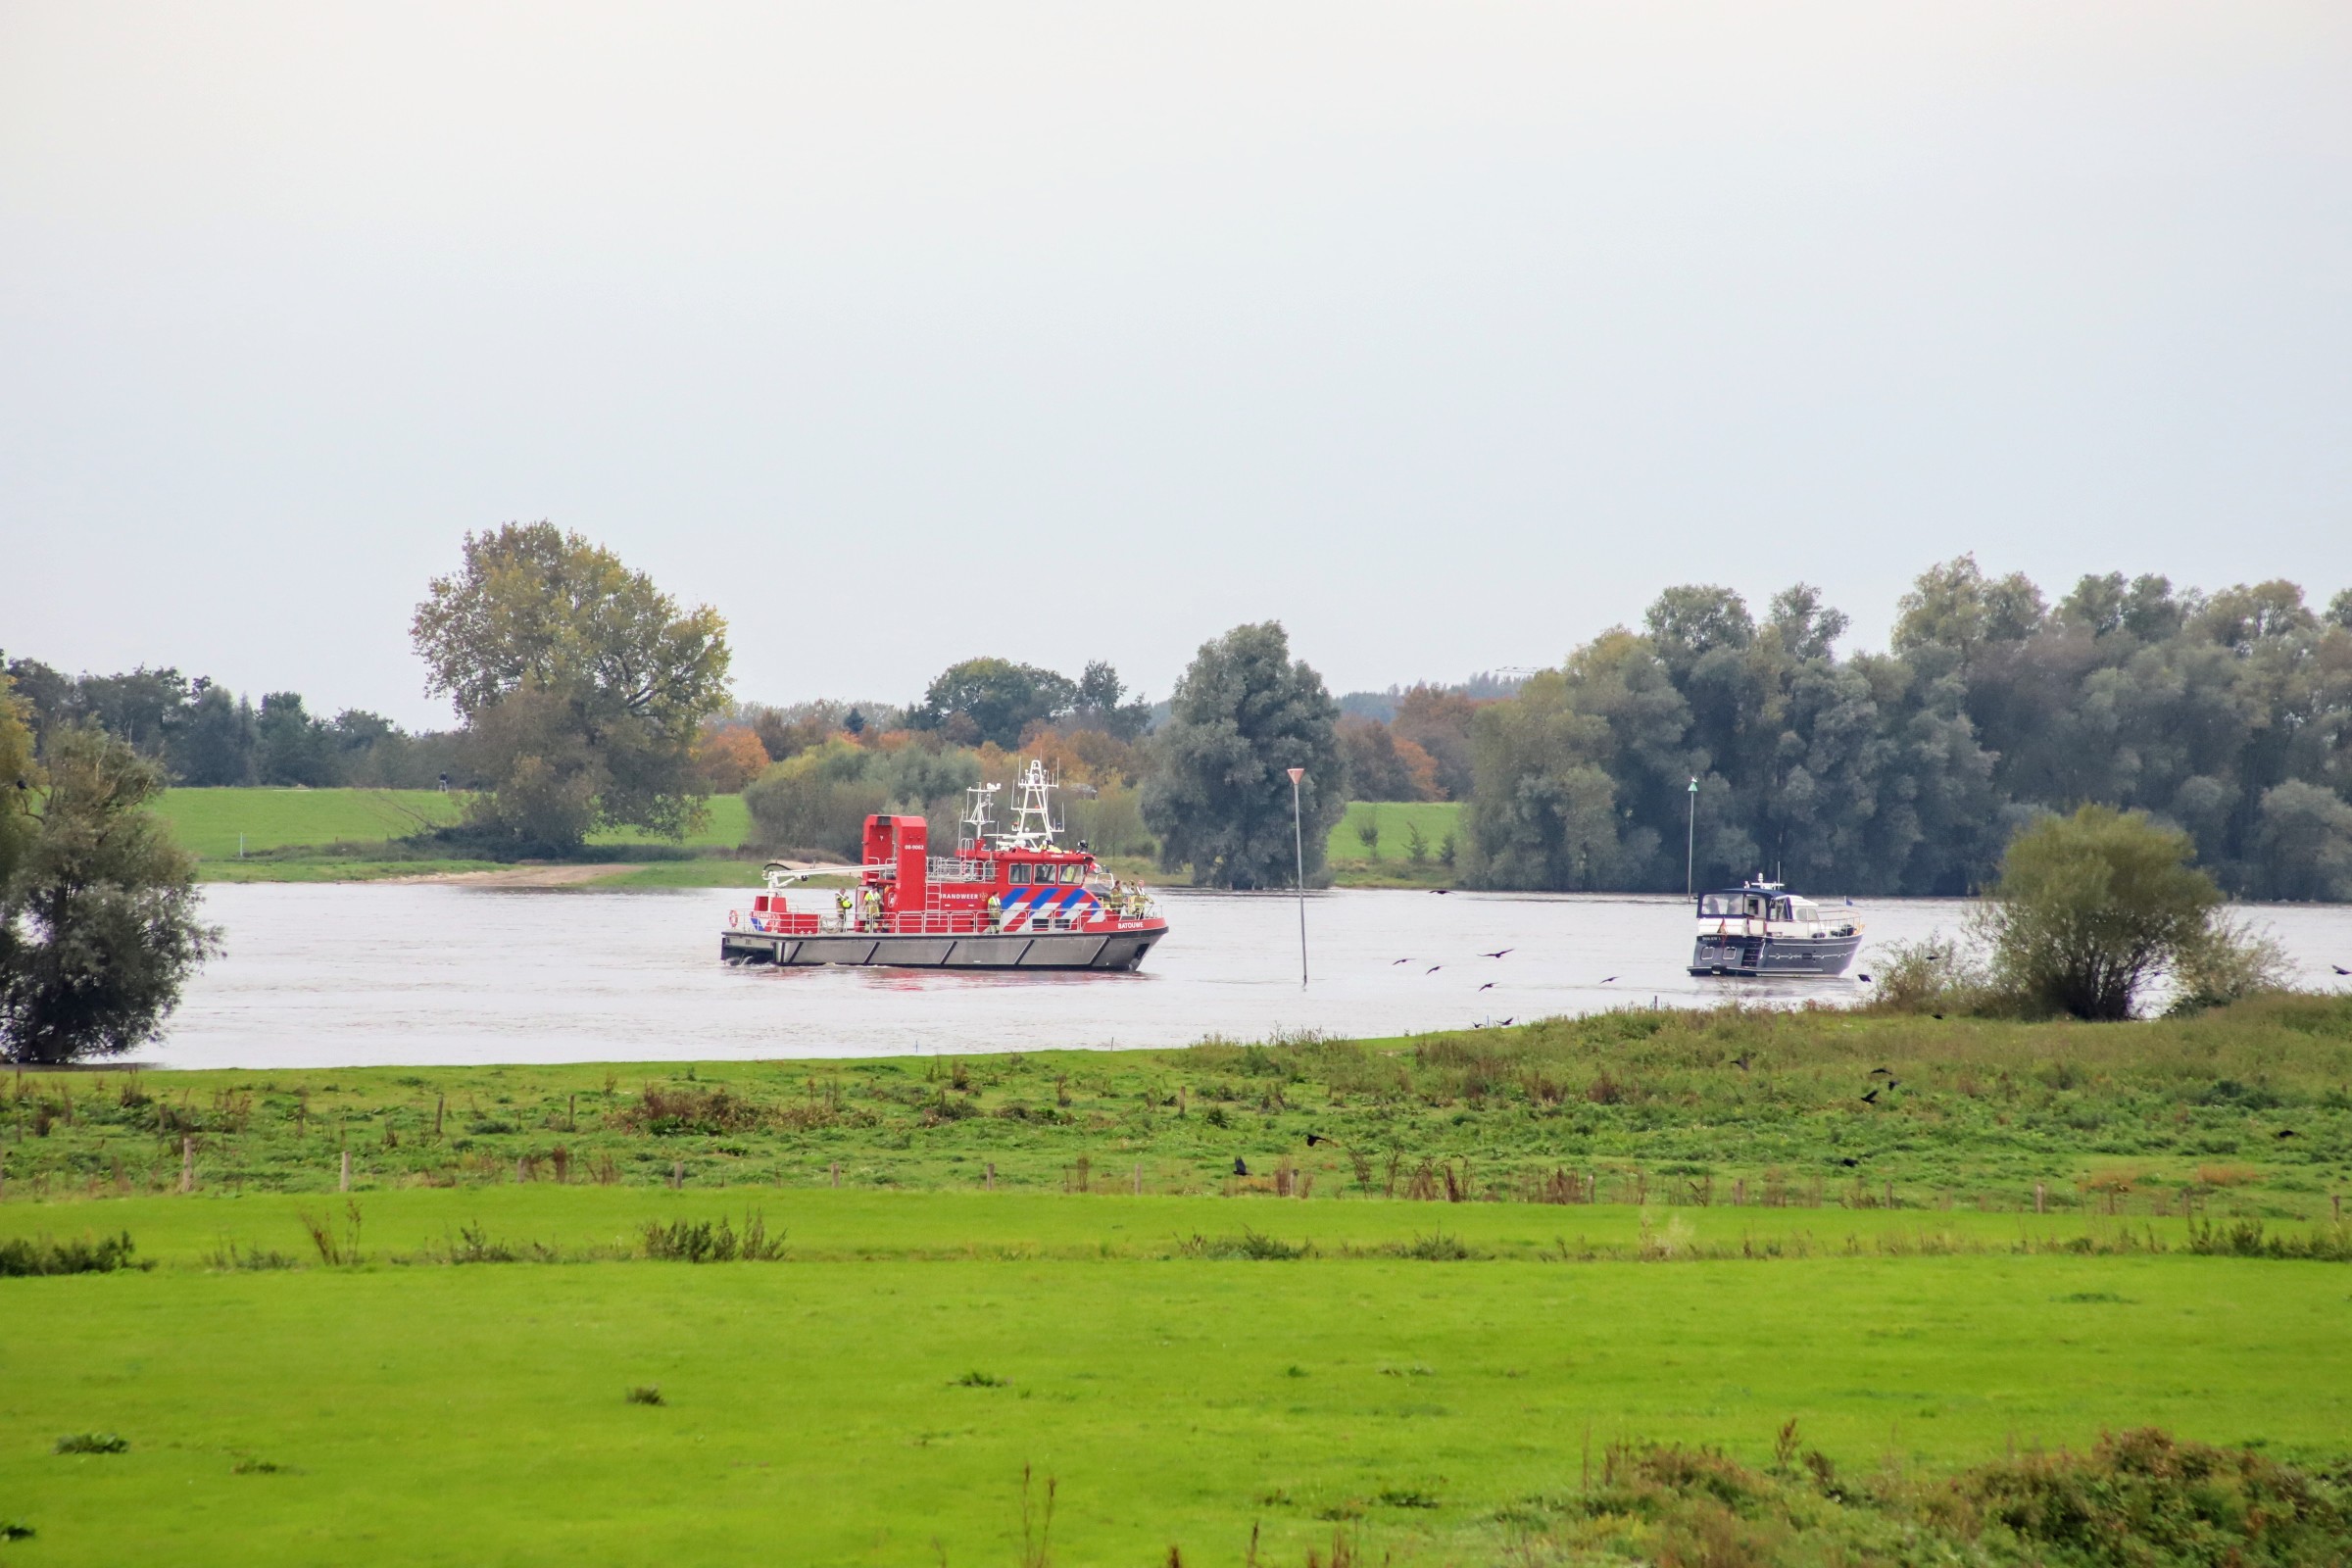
1681	1109
883	1412
571	1222
334	870
728	826
1435	818
207	821
697	873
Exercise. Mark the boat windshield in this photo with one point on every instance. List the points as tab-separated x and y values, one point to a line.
1803	909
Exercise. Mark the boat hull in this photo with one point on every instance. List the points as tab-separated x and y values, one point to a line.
1120	949
1753	958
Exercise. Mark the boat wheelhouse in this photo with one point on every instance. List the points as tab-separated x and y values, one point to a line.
1761	928
1009	899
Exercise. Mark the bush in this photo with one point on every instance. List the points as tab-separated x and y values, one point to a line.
707	1242
19	1257
92	1443
2090	908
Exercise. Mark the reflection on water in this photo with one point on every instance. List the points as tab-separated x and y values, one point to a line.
354	974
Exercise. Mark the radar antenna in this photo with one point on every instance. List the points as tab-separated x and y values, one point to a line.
1033	824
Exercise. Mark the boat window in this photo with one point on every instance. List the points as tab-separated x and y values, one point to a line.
1755	909
1073	872
1803	909
1780	909
1715	907
1021	875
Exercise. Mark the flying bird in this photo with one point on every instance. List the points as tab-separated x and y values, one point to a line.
1894	1083
1489	986
1865	979
2337	968
1740	1061
1440	892
1400	960
1871	1098
1611	977
1879	1072
1433	969
1506	1023
1497	953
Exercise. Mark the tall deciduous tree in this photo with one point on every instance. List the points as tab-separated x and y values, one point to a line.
993	701
1220	797
98	915
583	683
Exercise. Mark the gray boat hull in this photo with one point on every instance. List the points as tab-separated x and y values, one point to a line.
988	950
1765	957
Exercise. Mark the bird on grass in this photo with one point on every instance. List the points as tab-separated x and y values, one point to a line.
1740	1061
1849	1162
1241	1166
1489	986
1312	1139
2285	1132
1871	1098
1500	952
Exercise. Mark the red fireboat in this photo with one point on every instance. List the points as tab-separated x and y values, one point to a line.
1011	900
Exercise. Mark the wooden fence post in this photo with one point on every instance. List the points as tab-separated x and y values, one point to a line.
837	1173
677	1175
2040	1194
345	1183
1139	1179
991	1177
187	1164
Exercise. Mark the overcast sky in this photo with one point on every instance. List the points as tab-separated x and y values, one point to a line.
1446	333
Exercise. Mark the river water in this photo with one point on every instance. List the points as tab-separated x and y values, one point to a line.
351	975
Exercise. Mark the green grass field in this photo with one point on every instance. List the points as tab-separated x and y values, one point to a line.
351	835
1421	1354
874	1396
1355	863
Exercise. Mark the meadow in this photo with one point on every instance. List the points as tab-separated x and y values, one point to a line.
1389	861
360	835
1432	1335
354	835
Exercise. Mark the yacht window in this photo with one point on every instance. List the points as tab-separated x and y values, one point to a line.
1715	907
1803	909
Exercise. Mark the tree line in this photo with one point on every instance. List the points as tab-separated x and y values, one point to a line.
2226	714
1713	741
201	734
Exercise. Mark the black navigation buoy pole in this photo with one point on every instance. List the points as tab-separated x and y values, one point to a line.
1690	843
1298	840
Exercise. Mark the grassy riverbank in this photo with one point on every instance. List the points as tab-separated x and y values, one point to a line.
364	835
1428	1354
2243	1111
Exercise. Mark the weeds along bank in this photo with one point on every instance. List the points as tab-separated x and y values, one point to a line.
2243	1112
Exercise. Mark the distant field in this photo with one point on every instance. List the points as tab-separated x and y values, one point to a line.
209	822
1436	820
